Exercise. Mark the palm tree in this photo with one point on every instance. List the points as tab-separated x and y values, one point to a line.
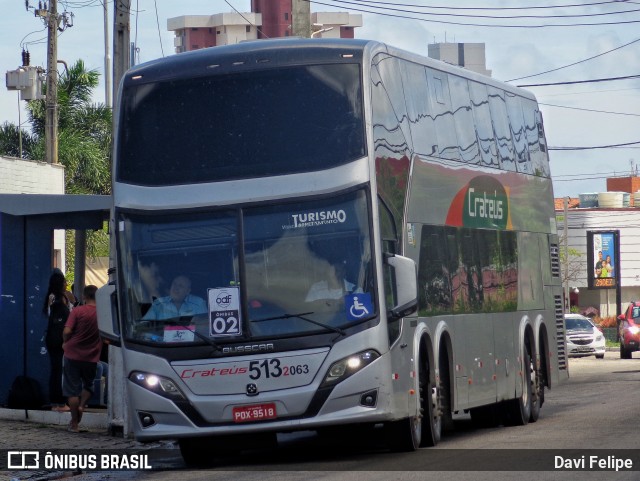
10	141
84	132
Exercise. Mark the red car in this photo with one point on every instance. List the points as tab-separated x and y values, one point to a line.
629	330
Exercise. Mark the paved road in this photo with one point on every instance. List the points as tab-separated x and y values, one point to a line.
591	410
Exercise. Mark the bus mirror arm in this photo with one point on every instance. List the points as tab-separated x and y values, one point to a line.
406	286
399	312
107	310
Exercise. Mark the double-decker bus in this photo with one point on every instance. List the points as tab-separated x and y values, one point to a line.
364	237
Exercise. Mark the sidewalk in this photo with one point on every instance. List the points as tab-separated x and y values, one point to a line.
47	430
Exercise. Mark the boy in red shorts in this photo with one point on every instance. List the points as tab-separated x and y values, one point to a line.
82	345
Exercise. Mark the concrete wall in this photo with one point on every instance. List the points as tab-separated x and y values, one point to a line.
19	176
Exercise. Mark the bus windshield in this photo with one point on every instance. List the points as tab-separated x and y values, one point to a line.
301	268
233	126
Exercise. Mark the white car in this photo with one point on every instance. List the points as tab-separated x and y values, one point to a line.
583	337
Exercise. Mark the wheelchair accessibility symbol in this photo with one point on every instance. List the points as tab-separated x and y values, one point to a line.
358	305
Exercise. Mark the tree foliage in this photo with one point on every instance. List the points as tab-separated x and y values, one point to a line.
84	143
10	141
84	132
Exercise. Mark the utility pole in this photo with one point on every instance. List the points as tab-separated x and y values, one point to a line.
51	119
53	22
121	41
118	408
567	304
107	57
301	18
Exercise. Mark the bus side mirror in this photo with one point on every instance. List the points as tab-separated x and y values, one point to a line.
107	310
406	286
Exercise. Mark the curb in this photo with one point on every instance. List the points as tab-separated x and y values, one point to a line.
89	419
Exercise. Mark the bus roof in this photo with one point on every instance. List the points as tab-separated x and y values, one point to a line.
257	54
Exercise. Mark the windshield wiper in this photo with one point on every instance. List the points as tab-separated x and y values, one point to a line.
302	316
185	320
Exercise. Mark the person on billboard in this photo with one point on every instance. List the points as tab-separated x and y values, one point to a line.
607	268
598	268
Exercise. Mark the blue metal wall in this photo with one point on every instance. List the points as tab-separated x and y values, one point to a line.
12	302
26	253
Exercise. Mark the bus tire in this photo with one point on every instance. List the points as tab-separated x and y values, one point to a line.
537	392
404	435
444	391
196	452
407	434
431	417
518	411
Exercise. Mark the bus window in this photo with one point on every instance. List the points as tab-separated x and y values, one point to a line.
483	126
463	119
305	262
500	121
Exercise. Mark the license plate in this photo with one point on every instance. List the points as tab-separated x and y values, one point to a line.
584	349
256	412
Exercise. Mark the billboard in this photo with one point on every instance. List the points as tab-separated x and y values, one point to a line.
603	259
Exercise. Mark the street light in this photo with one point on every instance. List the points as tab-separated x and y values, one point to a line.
321	31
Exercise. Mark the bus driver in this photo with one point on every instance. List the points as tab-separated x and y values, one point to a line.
180	302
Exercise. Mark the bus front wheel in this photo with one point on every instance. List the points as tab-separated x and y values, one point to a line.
405	435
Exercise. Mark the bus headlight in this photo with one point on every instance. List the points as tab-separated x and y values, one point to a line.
157	384
342	369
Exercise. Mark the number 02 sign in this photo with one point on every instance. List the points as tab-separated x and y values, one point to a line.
224	312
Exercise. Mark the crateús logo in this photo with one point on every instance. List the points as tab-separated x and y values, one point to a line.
483	202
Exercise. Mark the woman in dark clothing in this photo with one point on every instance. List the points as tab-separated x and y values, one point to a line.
56	307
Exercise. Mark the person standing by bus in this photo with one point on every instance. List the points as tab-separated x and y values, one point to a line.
56	307
82	347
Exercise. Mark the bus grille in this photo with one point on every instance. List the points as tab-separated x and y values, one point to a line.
561	344
555	260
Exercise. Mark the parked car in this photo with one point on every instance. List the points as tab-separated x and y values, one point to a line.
629	330
584	338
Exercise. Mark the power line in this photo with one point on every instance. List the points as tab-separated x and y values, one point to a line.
493	17
588	110
577	176
582	5
155	2
469	24
575	63
609	79
595	147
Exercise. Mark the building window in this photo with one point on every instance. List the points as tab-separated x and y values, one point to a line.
286	33
218	32
286	15
248	28
194	47
194	29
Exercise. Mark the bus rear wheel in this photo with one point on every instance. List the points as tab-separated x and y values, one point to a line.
518	411
537	391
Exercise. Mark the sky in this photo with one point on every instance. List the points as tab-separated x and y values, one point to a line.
577	115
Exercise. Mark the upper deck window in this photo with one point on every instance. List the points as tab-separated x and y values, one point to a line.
251	124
